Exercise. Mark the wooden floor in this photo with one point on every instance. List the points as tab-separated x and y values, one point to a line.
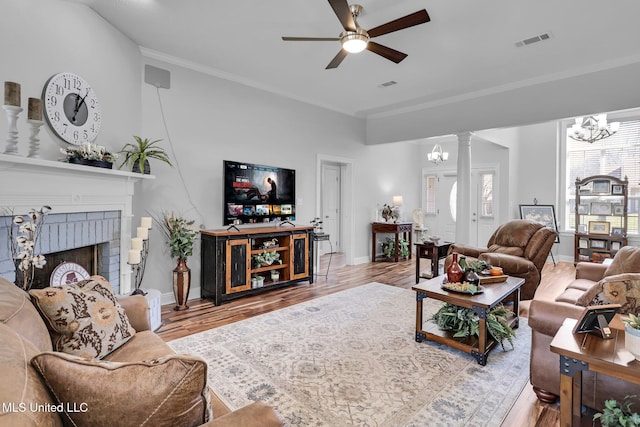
203	314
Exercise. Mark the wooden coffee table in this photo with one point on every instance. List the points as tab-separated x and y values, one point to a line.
587	352
481	304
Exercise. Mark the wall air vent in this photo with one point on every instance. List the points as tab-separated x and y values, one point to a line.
534	39
387	84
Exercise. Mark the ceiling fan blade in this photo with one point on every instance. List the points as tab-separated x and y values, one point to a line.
387	52
341	8
415	18
310	39
337	59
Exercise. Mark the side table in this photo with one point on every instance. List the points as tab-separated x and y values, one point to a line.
154	299
433	251
404	228
587	352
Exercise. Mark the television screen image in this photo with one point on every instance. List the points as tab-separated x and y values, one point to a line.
286	210
262	210
234	210
260	190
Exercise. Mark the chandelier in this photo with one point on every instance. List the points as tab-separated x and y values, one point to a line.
436	155
592	128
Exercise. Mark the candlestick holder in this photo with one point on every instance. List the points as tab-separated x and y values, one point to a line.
12	130
138	269
34	141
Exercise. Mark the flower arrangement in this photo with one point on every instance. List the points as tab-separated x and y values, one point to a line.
179	233
23	236
89	151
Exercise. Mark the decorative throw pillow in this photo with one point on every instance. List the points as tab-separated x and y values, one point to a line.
623	289
85	318
170	391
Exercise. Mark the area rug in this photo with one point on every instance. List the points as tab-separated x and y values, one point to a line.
351	359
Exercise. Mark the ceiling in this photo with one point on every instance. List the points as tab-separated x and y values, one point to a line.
467	50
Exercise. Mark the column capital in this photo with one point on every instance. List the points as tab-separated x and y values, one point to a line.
464	137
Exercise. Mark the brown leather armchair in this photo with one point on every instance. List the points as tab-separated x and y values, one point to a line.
520	247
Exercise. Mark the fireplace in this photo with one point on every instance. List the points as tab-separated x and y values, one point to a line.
91	239
91	208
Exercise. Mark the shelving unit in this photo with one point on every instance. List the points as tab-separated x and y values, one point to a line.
229	264
600	217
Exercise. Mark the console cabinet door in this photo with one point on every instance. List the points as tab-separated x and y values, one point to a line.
238	265
299	247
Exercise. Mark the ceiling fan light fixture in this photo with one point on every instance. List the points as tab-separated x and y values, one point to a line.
354	41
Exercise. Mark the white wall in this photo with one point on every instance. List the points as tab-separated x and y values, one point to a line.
210	120
39	38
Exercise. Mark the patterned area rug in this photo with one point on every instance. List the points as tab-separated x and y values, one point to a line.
350	359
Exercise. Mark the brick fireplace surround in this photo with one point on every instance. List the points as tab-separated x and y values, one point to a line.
90	206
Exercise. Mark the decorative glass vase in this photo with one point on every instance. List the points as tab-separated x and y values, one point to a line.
472	277
181	284
454	272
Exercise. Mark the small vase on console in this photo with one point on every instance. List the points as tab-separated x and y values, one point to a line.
454	272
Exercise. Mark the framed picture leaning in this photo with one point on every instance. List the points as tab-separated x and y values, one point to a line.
544	214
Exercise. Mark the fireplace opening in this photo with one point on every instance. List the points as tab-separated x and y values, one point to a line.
88	257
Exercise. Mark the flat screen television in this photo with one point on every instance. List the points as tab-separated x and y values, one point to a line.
258	193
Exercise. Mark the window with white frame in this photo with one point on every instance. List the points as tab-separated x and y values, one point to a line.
430	196
617	155
486	200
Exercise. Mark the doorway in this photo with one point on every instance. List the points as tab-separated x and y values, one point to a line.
334	204
330	207
484	205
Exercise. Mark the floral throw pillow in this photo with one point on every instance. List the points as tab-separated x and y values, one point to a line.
623	289
84	318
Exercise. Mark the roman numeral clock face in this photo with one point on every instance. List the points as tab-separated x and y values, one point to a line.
71	108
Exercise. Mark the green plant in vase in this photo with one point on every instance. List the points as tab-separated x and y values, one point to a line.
266	258
389	247
137	155
465	322
180	236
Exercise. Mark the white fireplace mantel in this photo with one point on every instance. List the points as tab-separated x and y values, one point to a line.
31	183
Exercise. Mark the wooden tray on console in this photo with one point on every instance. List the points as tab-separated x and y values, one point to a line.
485	280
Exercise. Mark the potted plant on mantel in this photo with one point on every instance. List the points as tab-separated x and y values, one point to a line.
180	236
139	154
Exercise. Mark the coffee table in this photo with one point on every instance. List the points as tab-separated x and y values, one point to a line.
587	352
481	304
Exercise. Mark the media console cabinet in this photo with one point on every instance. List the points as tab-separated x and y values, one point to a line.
228	260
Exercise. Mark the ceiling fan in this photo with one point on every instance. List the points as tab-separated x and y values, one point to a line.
355	39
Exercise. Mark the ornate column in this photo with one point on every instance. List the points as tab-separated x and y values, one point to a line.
463	200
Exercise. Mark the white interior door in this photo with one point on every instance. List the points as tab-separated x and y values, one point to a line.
330	201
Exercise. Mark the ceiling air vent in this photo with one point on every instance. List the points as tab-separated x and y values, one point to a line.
534	39
387	84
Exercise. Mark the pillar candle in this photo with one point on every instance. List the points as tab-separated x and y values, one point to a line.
136	243
134	256
11	94
146	221
35	109
143	233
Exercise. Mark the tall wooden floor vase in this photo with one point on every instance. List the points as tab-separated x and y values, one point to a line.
181	284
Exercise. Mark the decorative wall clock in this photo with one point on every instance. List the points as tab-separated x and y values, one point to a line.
71	108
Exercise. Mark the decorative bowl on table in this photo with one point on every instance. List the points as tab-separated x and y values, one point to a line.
434	239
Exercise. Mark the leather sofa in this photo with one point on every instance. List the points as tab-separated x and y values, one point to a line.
520	247
594	284
133	382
